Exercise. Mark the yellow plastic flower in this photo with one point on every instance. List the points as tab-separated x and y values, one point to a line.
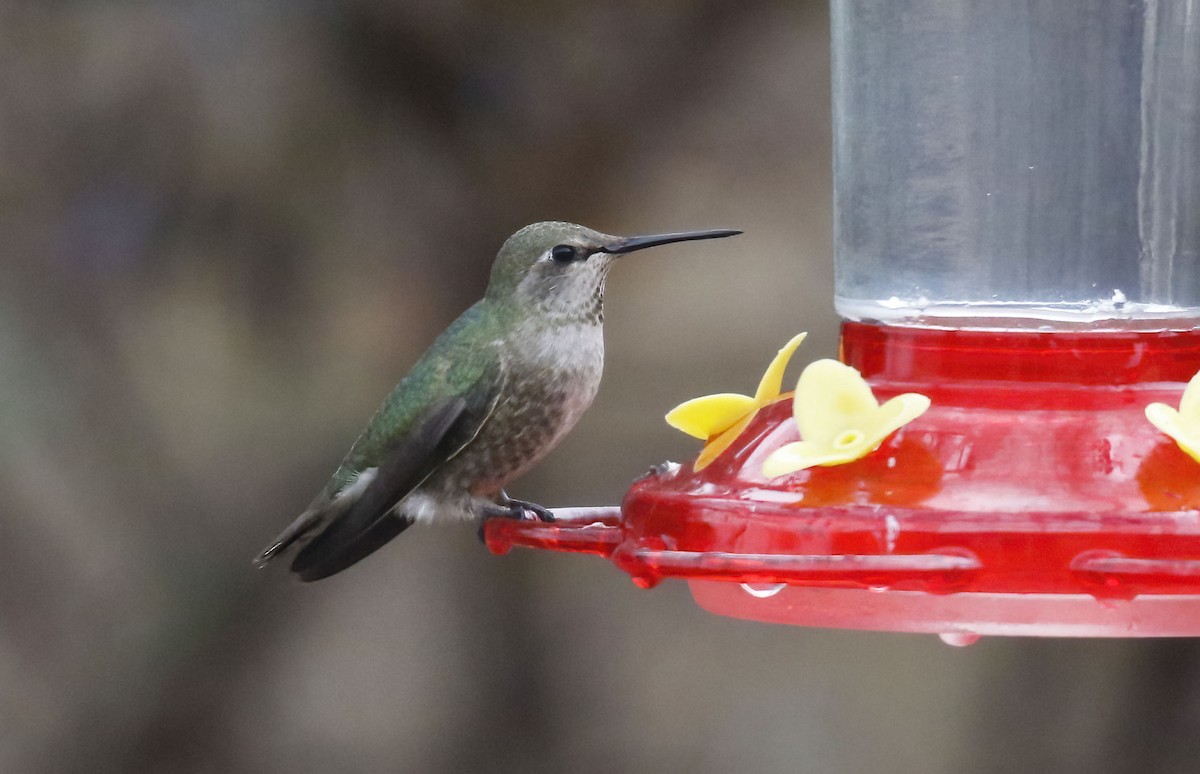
1182	425
839	419
721	418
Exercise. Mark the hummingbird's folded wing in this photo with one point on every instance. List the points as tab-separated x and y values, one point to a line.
367	524
353	526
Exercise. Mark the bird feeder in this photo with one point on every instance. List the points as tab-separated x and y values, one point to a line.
1017	232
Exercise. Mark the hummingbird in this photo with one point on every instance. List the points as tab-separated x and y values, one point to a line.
497	390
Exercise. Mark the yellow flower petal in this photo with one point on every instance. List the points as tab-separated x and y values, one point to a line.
718	445
895	414
720	418
772	381
713	414
1190	447
710	415
1175	424
801	455
1163	417
1189	404
1183	425
830	397
839	419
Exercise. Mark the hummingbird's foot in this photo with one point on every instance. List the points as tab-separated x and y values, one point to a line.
521	506
513	509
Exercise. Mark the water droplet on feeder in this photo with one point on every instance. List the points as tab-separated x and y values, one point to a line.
763	590
959	639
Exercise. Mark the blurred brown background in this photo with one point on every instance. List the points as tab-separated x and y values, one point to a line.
228	228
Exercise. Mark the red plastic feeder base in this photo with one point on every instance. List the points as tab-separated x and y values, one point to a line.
1033	498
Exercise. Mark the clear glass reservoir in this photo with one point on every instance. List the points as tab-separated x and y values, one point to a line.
1014	165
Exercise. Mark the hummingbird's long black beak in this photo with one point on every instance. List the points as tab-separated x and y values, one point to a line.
629	244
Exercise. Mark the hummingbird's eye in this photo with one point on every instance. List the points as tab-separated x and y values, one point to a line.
564	253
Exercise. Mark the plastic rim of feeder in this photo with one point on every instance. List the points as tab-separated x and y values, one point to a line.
1033	498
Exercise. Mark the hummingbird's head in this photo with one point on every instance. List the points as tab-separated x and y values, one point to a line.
559	268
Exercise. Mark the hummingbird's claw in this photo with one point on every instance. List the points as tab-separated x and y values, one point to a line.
516	510
542	514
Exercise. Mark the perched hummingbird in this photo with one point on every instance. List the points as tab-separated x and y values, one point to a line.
497	390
